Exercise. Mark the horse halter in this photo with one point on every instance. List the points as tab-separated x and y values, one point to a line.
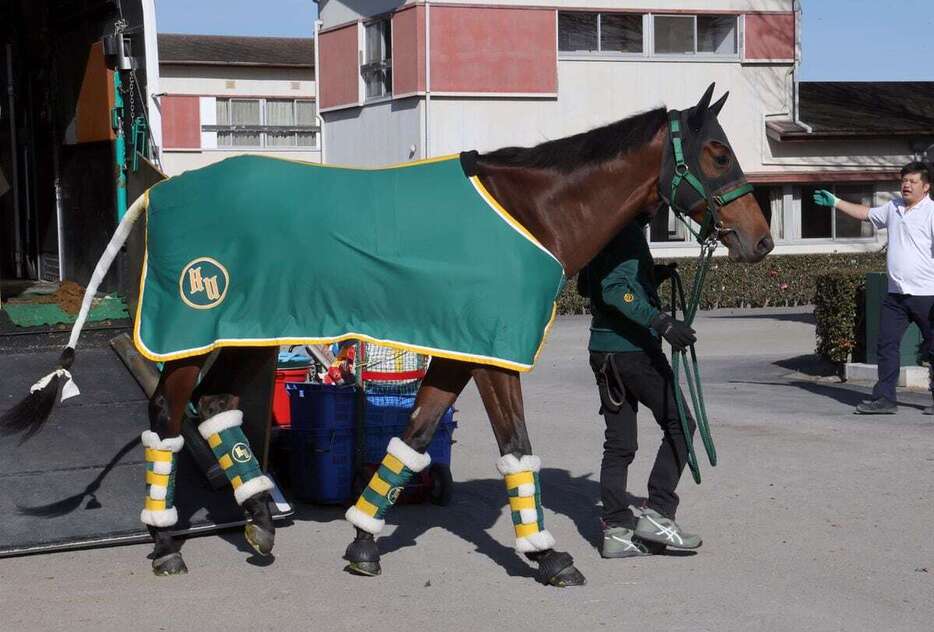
712	228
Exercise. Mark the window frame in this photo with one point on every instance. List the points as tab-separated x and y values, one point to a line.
264	128
648	39
798	193
384	64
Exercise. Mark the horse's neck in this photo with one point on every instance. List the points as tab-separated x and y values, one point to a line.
574	215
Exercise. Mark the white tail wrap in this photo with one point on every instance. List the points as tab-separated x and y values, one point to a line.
103	265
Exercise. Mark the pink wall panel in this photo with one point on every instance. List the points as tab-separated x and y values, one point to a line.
494	50
408	51
338	76
181	122
770	36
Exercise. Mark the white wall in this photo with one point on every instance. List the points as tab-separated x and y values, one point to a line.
232	81
297	83
379	134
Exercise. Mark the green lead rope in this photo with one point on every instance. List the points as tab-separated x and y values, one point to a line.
692	369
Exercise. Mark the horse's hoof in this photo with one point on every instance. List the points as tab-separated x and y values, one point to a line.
363	555
259	539
557	569
364	569
171	564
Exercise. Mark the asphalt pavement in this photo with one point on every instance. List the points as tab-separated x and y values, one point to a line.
815	519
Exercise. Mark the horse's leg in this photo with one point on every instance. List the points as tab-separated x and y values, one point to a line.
501	392
163	441
404	458
218	399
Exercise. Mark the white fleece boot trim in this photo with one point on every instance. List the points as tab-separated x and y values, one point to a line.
509	464
415	461
152	441
252	487
220	421
158	492
362	521
541	541
163	518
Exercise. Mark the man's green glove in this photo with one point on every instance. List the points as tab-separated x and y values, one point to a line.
822	197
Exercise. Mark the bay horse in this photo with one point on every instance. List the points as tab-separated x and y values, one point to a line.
571	196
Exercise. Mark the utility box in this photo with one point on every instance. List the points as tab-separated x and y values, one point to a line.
876	289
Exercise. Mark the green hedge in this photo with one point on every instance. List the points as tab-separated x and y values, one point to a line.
838	310
778	280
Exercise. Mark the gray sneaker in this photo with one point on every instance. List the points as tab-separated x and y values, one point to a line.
880	406
618	542
654	527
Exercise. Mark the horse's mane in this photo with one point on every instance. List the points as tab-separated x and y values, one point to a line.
597	145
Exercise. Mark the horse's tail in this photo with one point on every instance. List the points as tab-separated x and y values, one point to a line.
29	415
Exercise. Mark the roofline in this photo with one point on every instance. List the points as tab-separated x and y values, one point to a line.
255	64
846	134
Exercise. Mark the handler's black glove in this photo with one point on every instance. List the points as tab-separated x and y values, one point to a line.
674	331
663	272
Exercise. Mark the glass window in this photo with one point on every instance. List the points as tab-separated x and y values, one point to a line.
716	34
821	222
265	123
377	66
771	201
577	32
674	34
666	227
620	33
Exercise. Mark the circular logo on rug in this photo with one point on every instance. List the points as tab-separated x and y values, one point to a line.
203	283
241	453
393	494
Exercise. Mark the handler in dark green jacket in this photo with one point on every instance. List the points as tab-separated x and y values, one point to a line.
627	359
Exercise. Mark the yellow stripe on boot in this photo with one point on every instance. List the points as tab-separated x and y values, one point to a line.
526	529
158	455
162	480
518	503
519	478
154	505
366	506
379	486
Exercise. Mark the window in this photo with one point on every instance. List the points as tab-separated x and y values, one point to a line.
267	123
666	227
377	62
599	32
821	222
771	201
696	34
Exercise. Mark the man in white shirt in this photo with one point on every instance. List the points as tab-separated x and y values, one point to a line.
910	263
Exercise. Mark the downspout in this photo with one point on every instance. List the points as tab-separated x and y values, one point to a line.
318	117
796	7
426	150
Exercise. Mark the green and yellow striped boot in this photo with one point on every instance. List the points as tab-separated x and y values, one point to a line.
525	501
232	451
161	464
399	465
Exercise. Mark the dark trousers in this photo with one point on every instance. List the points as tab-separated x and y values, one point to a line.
624	380
896	312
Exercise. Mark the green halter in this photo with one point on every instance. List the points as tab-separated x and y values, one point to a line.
712	226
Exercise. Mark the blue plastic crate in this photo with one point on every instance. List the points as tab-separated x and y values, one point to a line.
322	406
322	464
388	415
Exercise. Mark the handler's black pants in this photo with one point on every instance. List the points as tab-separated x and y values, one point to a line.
646	378
896	312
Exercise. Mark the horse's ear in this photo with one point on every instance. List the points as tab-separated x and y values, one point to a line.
716	107
700	110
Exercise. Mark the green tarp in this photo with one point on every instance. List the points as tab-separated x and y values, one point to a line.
262	251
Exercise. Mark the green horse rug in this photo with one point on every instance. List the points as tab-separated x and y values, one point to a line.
257	251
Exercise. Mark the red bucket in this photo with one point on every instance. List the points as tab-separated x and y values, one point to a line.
281	413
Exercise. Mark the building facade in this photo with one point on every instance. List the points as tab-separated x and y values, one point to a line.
410	79
224	96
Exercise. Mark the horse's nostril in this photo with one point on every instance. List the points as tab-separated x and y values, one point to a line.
765	245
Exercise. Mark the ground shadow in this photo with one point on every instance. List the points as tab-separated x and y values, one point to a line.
849	395
801	317
810	364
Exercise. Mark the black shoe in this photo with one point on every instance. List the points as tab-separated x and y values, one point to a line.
880	406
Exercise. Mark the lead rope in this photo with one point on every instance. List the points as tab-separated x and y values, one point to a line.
692	369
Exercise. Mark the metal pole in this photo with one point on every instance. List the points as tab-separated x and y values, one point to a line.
119	145
11	95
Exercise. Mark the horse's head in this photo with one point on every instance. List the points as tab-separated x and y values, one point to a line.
701	177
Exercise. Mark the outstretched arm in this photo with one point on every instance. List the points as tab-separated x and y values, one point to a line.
823	197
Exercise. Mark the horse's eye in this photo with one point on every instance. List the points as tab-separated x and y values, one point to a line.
723	160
